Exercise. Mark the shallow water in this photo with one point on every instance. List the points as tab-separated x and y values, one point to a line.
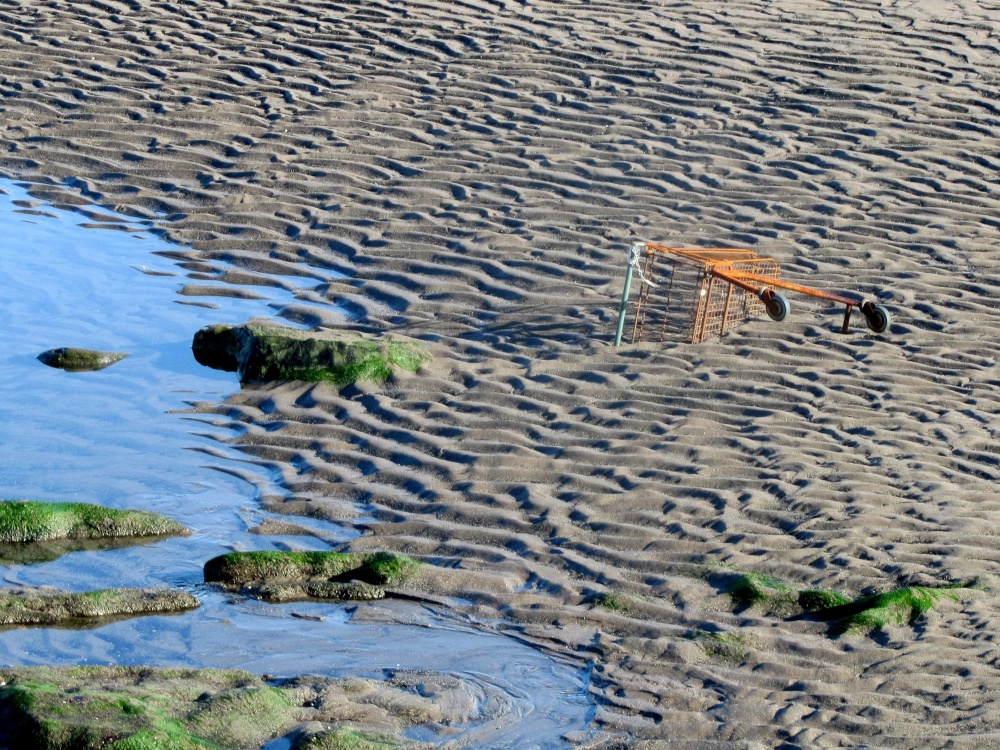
115	437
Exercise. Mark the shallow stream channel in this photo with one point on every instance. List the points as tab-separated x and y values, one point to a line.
119	437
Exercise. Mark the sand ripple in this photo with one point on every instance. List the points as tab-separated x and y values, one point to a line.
478	169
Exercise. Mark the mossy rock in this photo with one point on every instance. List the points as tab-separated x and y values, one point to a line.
763	592
20	607
239	569
79	360
865	614
138	708
262	353
344	738
821	600
726	647
328	590
901	606
23	521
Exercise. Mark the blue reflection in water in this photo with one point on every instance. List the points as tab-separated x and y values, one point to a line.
113	437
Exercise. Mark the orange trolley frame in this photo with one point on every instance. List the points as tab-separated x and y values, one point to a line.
730	285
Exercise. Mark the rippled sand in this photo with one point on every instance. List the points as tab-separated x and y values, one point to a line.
478	171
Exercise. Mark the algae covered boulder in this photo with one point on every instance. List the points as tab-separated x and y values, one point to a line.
865	614
143	708
261	353
23	521
33	531
287	576
32	607
79	360
139	708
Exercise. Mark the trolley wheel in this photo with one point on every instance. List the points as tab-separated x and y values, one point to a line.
776	305
877	317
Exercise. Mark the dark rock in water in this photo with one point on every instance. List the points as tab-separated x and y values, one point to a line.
260	353
79	360
30	607
24	521
290	576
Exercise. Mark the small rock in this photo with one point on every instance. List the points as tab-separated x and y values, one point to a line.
79	360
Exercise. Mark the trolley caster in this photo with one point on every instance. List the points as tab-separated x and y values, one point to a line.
877	317
776	304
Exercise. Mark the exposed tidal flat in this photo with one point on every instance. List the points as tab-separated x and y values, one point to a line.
781	538
121	438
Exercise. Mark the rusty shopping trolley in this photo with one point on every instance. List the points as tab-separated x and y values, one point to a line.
699	292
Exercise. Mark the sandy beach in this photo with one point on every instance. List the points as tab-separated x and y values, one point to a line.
476	172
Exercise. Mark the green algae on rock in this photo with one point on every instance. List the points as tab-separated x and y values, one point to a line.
79	360
865	614
761	591
288	576
331	590
725	647
240	568
612	601
343	738
138	708
143	708
877	611
261	353
24	521
32	607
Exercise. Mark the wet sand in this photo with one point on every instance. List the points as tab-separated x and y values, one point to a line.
477	171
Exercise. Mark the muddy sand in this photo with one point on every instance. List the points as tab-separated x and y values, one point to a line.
477	170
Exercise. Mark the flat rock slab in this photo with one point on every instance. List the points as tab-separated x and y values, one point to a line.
129	708
79	360
262	353
33	607
143	708
23	521
289	576
330	590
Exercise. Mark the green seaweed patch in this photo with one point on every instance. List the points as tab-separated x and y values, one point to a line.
820	600
261	353
866	614
344	738
23	521
375	365
138	708
874	612
612	601
21	607
240	569
727	647
761	591
243	717
388	568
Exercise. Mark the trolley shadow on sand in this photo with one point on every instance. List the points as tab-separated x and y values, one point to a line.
692	293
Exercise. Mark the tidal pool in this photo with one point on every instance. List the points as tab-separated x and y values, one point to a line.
119	437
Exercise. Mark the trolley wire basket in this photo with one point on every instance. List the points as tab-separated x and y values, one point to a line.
692	293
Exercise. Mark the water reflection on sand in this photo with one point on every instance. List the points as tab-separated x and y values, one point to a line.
114	437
